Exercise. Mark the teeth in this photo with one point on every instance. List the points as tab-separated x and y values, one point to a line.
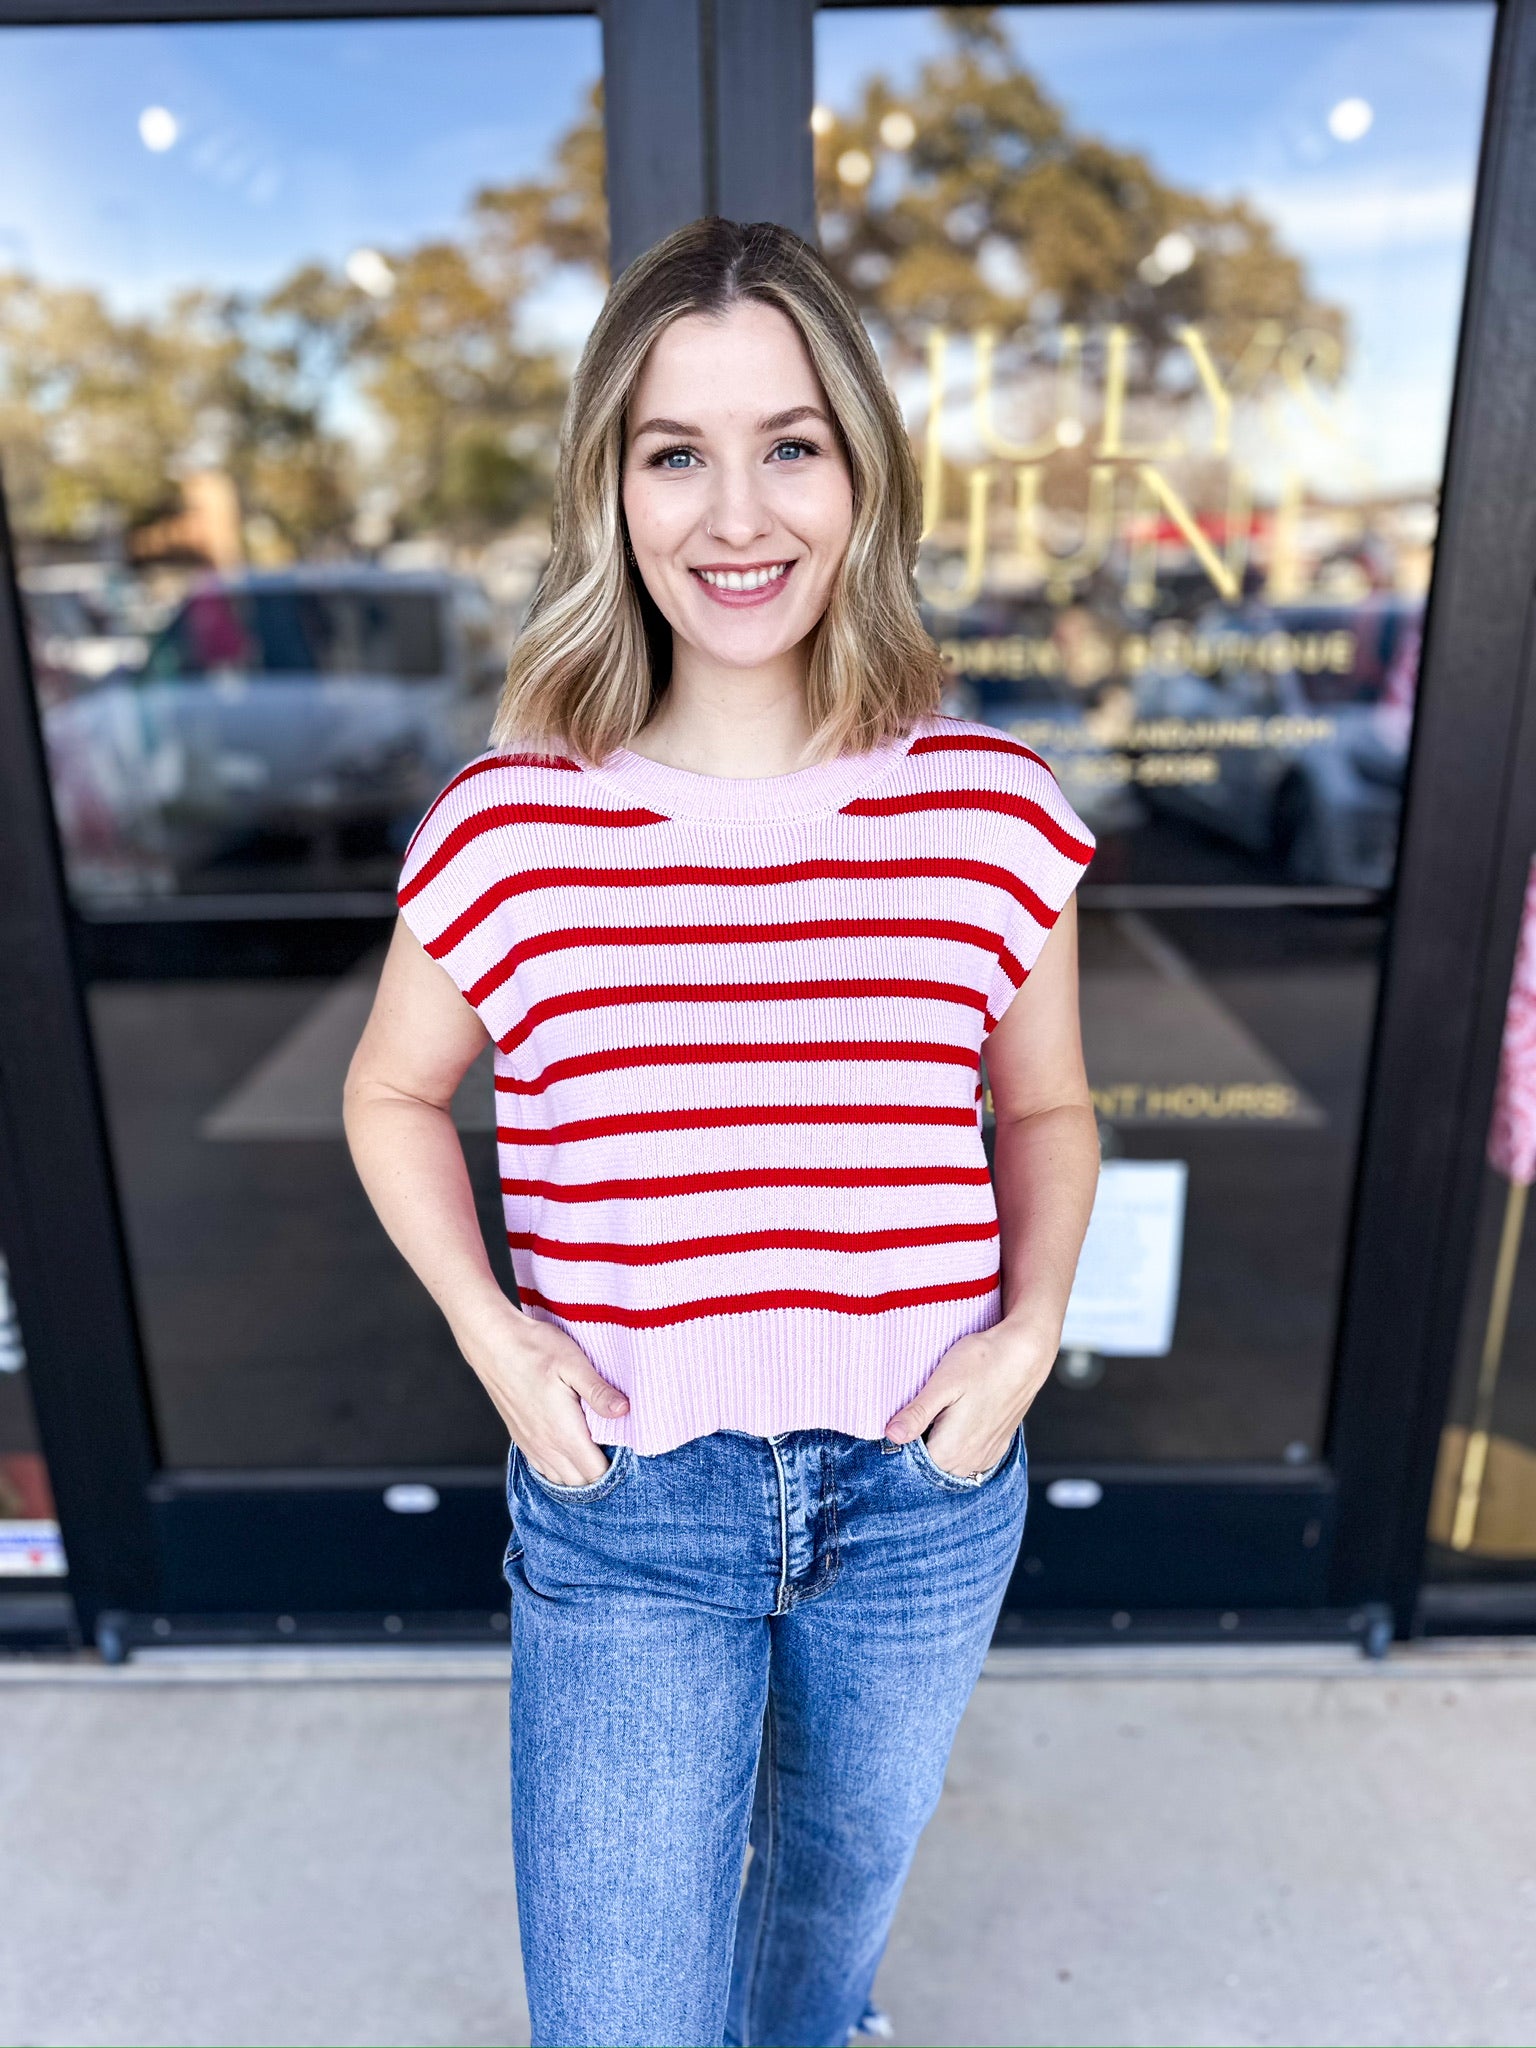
744	579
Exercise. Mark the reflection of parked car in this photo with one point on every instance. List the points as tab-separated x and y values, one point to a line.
1055	723
1319	789
1001	675
76	632
299	701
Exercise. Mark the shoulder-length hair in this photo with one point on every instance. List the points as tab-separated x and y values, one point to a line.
594	654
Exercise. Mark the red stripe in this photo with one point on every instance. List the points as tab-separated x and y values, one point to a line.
977	743
973	800
484	767
609	1057
745	1304
737	1177
750	1241
839	989
624	1124
743	934
943	868
464	775
495	815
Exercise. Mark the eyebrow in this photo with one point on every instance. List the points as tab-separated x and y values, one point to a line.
774	424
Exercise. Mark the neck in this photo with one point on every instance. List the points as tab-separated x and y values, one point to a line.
731	721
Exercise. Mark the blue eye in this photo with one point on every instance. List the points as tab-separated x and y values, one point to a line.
676	459
793	451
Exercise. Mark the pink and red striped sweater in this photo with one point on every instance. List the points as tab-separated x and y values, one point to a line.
738	1030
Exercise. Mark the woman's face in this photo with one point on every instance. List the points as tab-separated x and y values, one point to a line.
736	491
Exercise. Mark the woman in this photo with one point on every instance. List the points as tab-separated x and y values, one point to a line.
739	911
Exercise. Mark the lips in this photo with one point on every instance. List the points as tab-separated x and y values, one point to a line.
752	583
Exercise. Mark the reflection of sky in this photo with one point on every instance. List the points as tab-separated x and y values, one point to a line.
1234	100
298	140
309	139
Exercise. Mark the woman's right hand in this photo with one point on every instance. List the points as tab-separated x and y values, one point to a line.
420	1041
537	1378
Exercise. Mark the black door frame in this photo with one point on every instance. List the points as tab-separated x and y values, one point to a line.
707	108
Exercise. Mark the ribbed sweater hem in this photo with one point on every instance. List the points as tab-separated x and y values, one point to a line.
773	1371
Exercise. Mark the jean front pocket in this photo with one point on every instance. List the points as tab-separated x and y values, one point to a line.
619	1462
959	1482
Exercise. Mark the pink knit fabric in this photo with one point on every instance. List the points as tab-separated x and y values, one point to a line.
738	1032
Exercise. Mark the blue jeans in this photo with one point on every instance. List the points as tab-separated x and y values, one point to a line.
746	1635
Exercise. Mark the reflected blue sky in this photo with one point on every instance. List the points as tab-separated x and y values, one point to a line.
296	140
1234	101
310	139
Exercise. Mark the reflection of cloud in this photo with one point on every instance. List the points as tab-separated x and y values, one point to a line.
1356	216
239	158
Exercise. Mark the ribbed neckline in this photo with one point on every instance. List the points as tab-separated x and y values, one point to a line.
752	799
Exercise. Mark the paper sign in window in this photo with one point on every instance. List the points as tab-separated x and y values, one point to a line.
1126	1293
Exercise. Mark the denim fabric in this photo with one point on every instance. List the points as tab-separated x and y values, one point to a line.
745	1633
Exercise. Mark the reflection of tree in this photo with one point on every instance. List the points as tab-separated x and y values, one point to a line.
985	207
981	207
101	412
470	409
559	220
96	410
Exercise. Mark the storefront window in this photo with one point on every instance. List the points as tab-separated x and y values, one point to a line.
287	311
1170	295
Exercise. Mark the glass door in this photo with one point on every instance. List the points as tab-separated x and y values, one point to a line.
1171	296
287	311
1176	299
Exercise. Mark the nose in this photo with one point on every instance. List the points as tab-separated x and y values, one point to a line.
737	514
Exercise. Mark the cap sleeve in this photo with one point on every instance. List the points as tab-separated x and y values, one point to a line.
455	891
1046	851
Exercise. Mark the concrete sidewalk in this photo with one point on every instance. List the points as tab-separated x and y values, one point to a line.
1230	1846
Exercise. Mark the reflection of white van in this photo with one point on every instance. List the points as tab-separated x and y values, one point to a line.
299	701
1324	807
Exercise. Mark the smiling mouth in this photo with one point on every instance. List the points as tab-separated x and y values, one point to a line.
751	584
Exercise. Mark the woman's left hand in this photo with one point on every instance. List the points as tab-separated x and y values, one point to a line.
975	1398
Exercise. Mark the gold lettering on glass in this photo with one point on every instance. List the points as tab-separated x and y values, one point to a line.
1187	490
973	570
1066	429
1061	570
1112	427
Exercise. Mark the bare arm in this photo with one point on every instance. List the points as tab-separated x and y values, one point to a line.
420	1040
1045	1170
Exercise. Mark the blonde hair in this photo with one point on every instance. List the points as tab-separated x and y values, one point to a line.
594	655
